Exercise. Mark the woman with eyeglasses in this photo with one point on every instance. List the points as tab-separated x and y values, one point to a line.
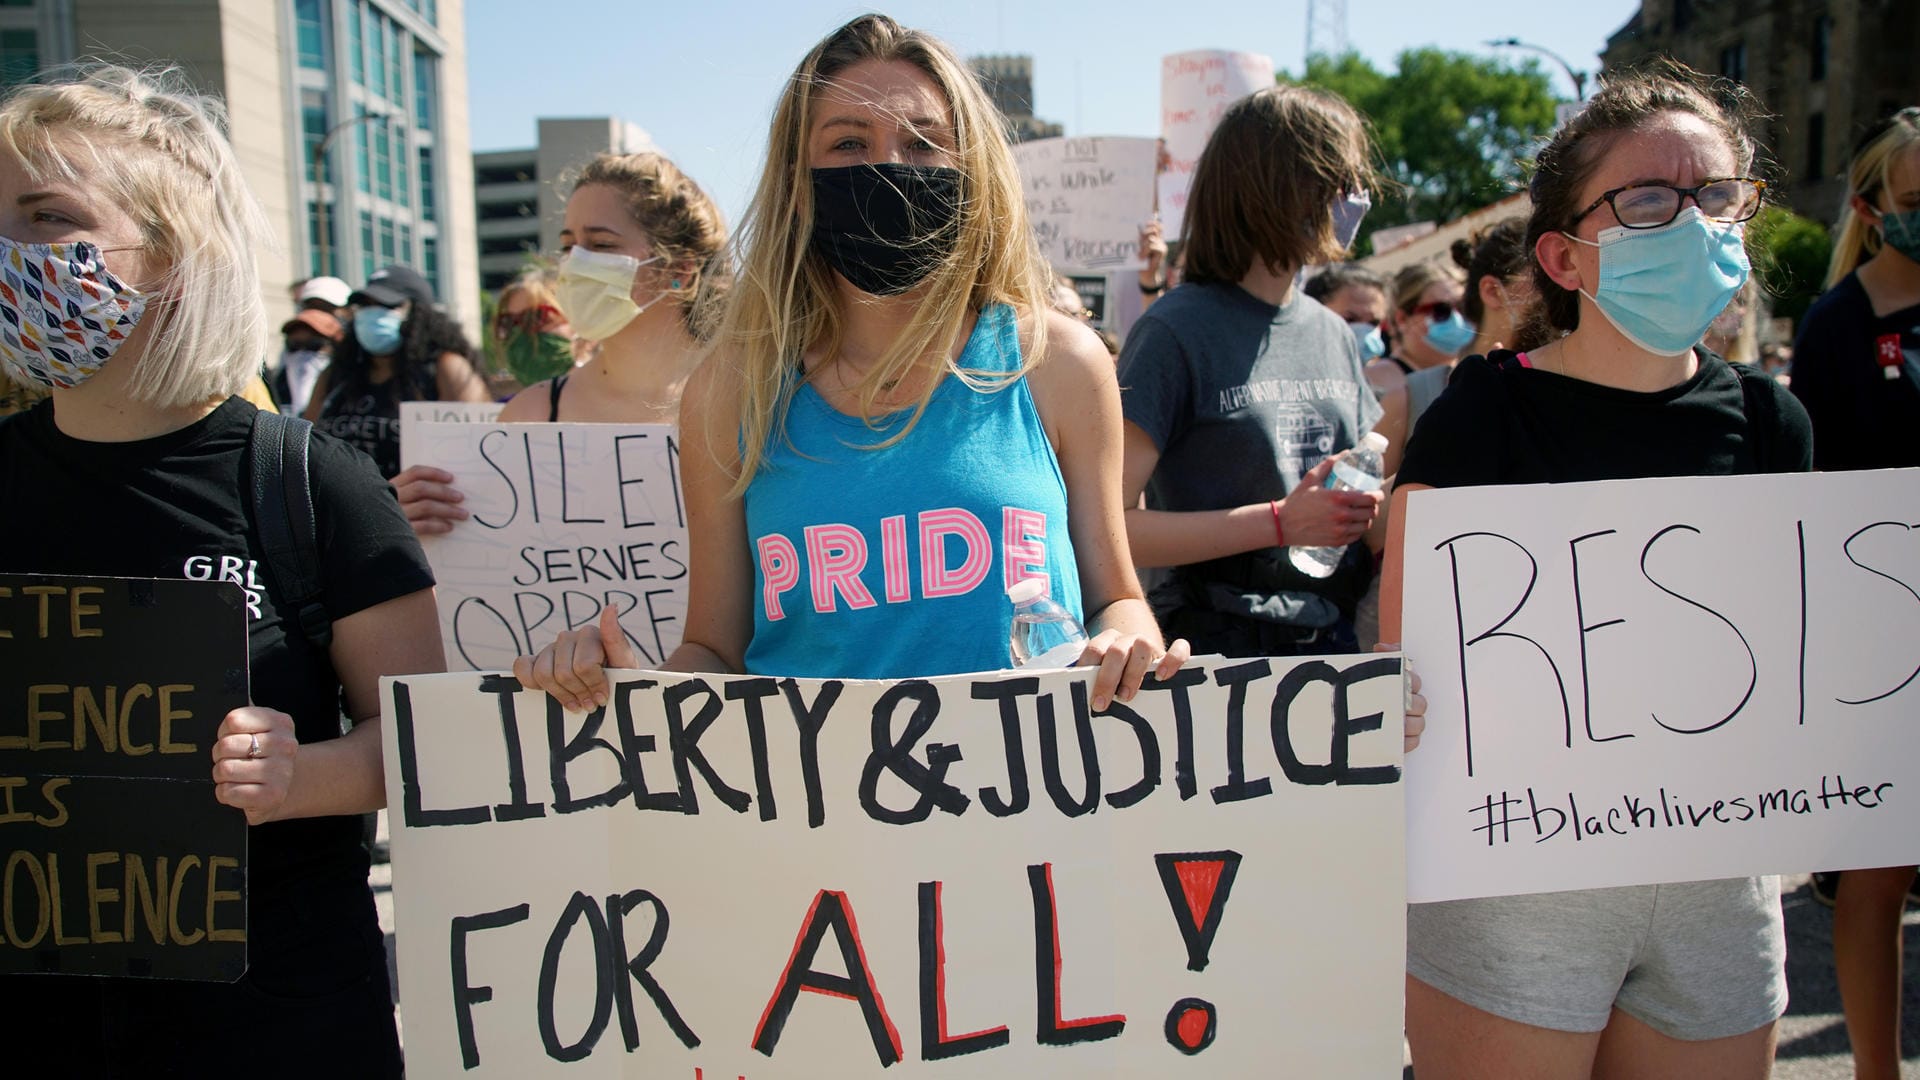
531	338
1637	244
1425	328
1856	367
645	262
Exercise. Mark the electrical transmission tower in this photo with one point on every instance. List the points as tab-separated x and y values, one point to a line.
1326	28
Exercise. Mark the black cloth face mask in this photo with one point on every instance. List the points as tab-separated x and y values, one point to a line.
885	227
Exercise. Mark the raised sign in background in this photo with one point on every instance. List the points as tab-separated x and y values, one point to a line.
1662	680
970	877
1195	89
1088	198
119	859
565	518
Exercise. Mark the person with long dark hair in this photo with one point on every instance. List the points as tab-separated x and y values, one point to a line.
400	347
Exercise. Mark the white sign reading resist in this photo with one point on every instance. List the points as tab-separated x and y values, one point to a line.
1662	680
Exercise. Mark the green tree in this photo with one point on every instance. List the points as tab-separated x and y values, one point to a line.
1455	131
1790	255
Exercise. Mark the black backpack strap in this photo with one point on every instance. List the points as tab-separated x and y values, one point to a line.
282	492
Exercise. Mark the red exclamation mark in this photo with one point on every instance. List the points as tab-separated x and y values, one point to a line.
1197	884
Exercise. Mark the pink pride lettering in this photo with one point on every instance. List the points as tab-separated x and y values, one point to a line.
780	566
936	579
835	556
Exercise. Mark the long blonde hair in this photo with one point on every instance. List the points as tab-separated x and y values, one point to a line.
783	299
159	151
1867	177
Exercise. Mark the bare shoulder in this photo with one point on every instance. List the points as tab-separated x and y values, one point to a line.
1385	376
710	404
1075	361
531	405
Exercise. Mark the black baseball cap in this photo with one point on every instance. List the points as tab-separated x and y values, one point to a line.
391	286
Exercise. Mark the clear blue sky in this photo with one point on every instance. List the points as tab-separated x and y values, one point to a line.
701	75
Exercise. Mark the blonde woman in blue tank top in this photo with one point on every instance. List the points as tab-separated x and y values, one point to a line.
892	426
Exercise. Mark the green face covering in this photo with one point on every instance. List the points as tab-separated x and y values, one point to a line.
533	356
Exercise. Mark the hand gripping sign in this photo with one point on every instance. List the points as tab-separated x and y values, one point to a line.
972	876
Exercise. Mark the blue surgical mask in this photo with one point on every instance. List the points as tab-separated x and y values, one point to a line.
1661	288
1450	335
1367	336
1347	215
1901	231
377	329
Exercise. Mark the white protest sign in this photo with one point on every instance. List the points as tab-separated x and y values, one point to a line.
1195	90
969	877
1087	198
448	412
1657	680
565	518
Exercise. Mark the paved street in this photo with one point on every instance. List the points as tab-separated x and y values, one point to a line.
1813	1041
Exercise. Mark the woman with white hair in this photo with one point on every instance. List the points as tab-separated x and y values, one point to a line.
124	192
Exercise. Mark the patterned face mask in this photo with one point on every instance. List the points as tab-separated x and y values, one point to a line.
62	314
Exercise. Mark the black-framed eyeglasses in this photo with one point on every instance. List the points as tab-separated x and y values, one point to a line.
1728	200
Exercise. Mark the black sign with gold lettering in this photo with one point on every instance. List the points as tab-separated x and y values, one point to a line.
119	860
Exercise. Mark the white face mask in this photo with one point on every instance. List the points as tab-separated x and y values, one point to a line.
595	292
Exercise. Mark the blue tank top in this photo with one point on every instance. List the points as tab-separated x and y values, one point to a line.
894	563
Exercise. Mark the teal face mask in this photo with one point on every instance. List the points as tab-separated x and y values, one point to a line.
377	329
1901	230
1662	287
1450	335
1367	336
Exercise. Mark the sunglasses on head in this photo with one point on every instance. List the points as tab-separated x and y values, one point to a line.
532	320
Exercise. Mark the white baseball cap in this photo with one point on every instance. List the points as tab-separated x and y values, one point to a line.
330	289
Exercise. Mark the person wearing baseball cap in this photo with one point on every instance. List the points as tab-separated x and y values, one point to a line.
400	348
307	342
328	294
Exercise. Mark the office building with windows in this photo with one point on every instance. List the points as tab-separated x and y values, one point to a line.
520	196
349	118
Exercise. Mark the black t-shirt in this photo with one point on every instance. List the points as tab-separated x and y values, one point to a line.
366	415
1501	423
175	506
1862	418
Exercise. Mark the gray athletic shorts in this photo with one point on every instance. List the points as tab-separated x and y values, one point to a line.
1695	960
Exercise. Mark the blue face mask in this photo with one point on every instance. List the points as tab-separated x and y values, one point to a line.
1347	215
1450	335
1367	336
1901	231
1662	287
377	329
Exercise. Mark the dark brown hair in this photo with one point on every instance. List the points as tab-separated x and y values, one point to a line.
681	222
1498	251
1323	285
1562	170
1267	181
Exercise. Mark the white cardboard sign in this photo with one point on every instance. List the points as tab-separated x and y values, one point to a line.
1195	89
1088	198
565	518
969	877
1641	681
448	412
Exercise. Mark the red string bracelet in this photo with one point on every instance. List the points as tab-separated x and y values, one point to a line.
1279	536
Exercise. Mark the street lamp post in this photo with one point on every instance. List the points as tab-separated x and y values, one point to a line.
1579	77
320	177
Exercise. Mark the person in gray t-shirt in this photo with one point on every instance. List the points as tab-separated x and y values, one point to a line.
1238	391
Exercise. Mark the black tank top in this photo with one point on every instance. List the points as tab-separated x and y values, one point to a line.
553	397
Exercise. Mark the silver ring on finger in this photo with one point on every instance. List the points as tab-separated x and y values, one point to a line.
253	746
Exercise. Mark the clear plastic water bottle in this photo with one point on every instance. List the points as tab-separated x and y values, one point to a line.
1361	470
1045	635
